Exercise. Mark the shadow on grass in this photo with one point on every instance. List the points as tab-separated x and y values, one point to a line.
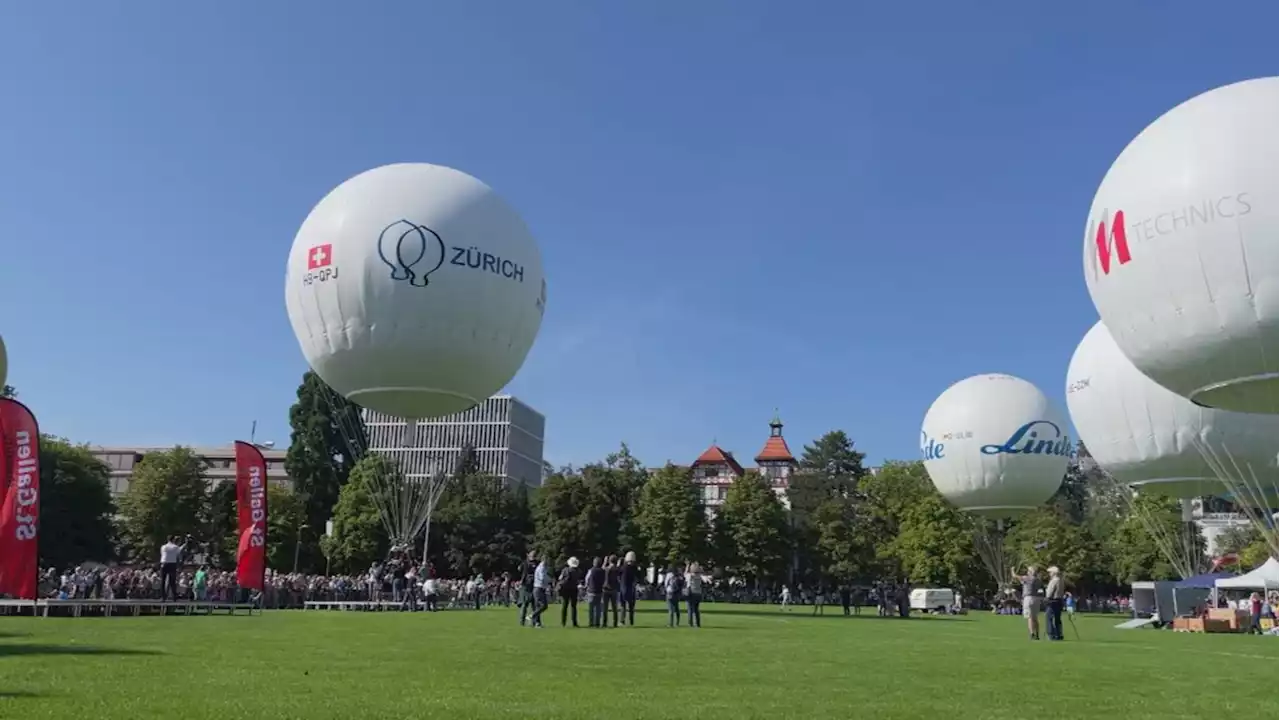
18	694
14	634
15	650
802	613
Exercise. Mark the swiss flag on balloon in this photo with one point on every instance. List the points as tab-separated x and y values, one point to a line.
319	256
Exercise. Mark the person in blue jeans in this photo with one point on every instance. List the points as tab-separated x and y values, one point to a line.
674	586
693	581
629	578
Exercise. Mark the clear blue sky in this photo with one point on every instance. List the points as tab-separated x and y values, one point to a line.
836	209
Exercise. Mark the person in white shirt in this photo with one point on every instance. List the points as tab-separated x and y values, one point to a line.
170	557
786	598
431	589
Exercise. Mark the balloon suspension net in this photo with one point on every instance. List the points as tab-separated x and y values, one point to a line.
1253	489
405	502
988	540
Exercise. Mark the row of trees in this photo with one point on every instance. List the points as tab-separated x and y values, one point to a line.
842	524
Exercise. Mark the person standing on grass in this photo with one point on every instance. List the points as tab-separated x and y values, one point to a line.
595	593
1255	614
674	586
693	579
568	583
786	599
1054	594
528	569
1030	599
820	601
630	579
541	591
612	576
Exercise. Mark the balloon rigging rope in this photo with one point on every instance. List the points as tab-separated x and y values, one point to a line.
1248	490
404	503
1180	557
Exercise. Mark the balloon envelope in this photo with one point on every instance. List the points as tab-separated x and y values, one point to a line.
1180	249
414	290
1143	434
995	446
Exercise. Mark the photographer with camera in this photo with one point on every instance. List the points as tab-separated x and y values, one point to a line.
170	557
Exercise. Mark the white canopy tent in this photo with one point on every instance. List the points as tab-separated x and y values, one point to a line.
1266	577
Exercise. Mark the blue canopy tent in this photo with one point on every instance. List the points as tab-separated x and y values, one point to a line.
1205	581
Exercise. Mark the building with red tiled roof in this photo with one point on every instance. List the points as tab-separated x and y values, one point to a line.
716	468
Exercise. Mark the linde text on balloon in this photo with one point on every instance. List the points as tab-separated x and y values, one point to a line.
930	448
1113	234
1060	444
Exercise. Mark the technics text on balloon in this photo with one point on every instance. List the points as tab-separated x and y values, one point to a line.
1113	231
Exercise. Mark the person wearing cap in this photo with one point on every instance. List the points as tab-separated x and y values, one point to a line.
1054	594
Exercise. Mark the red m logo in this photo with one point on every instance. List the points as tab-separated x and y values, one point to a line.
1115	239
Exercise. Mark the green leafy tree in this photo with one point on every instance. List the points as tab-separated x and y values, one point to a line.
590	512
751	531
286	523
829	469
327	438
670	519
76	509
843	550
168	495
1135	553
562	519
220	551
1048	537
889	495
483	527
359	538
7	391
935	545
1246	543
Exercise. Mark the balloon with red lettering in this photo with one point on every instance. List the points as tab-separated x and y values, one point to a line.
995	446
414	290
1144	435
1180	249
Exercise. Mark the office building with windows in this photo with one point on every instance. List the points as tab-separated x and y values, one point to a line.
220	464
506	434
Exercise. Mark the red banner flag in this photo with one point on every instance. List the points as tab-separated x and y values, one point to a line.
20	504
251	503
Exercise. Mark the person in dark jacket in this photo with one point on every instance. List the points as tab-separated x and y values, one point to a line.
567	585
630	577
612	576
527	570
594	582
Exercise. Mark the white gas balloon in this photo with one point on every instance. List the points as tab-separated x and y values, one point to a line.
995	446
1181	254
414	290
1144	435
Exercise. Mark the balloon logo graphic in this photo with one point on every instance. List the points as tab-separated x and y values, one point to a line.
411	243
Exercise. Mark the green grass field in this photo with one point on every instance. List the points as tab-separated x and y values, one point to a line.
747	662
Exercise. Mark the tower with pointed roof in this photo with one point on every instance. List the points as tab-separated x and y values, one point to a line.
775	460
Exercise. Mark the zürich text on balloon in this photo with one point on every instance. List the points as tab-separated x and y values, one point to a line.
476	259
1027	440
930	448
1114	232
